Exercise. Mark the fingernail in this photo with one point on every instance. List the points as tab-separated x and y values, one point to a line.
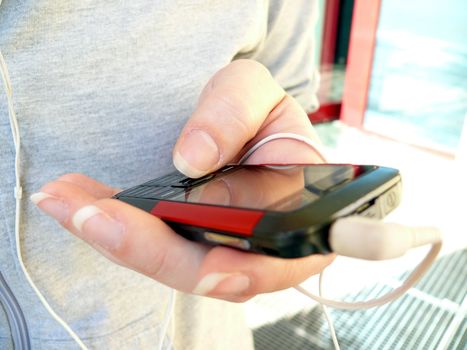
51	205
97	227
197	154
222	284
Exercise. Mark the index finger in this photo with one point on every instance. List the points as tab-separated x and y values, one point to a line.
231	110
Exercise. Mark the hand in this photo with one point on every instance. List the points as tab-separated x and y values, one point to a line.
240	105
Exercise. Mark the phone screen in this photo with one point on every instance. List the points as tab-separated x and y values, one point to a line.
273	188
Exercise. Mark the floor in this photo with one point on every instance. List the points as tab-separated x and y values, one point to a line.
434	194
429	317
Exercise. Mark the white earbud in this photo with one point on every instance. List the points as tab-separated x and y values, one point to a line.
363	238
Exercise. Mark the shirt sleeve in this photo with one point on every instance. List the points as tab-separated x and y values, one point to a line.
286	48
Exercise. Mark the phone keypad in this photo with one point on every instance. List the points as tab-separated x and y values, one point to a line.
150	192
168	185
187	182
167	180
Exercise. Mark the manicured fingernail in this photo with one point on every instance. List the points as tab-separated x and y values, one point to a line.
222	284
197	154
97	227
51	205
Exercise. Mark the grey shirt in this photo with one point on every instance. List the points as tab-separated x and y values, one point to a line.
103	88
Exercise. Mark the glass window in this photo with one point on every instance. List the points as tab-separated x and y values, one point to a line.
418	88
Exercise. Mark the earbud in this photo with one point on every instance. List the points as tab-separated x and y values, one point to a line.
368	239
363	238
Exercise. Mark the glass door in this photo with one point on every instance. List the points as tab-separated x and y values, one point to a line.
416	87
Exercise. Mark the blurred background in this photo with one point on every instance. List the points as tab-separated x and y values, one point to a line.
393	92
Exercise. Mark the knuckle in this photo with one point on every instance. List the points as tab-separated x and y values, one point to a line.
55	187
153	265
230	106
71	177
156	265
289	274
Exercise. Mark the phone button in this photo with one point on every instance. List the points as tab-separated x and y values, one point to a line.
165	181
187	182
227	240
391	199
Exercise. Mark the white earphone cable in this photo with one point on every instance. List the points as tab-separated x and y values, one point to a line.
318	149
18	196
166	321
327	315
285	135
410	281
407	238
386	298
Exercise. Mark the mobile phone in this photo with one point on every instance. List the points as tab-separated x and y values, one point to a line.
278	210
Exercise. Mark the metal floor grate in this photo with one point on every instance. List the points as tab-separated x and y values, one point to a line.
430	316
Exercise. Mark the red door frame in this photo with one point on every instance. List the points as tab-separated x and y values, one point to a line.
360	61
328	110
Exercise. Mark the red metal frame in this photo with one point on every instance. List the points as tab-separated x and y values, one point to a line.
360	61
331	23
328	110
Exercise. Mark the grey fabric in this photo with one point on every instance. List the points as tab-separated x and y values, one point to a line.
6	340
103	88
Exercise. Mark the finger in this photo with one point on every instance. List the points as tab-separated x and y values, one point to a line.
287	117
235	275
126	235
231	110
137	240
91	186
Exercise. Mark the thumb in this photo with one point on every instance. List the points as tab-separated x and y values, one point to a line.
232	108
